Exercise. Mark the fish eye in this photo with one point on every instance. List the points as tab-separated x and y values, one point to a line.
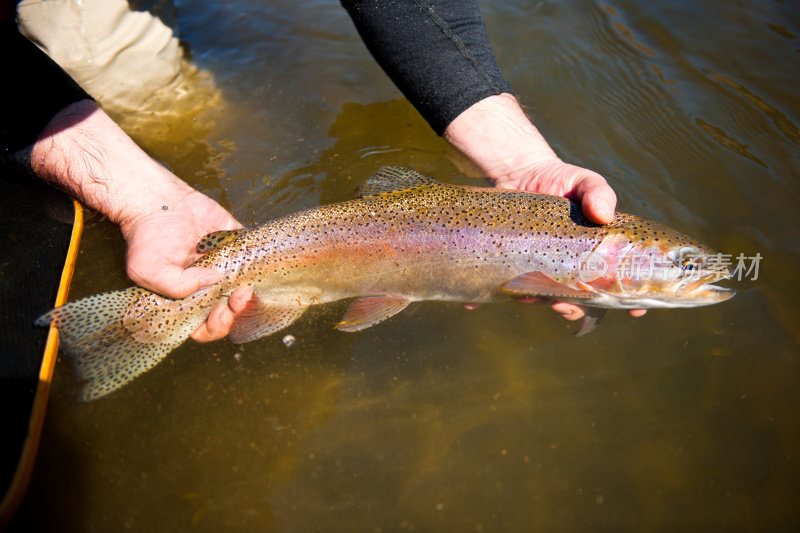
689	254
688	259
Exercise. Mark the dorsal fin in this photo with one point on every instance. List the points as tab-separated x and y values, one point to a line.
218	238
391	179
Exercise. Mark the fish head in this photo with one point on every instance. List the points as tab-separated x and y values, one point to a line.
640	263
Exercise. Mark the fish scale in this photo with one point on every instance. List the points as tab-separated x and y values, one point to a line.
408	238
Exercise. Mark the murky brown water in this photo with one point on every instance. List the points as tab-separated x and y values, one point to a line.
492	420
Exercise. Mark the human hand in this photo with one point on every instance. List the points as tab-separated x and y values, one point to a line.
498	137
162	242
161	245
584	187
552	176
83	152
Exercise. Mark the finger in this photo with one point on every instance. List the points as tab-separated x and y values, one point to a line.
221	320
172	280
636	313
240	298
596	197
568	311
217	325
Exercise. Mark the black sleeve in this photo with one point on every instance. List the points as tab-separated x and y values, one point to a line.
33	90
436	51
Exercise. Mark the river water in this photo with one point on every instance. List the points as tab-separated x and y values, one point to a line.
496	419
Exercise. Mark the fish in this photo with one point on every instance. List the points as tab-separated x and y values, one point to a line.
406	238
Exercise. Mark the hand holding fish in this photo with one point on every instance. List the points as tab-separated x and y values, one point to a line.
497	135
162	218
583	186
163	243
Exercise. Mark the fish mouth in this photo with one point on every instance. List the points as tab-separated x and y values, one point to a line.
708	293
702	290
703	294
687	292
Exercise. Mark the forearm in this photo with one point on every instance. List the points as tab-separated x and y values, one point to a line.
436	51
500	139
438	54
83	152
51	126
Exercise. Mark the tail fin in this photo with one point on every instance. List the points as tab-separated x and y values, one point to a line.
105	354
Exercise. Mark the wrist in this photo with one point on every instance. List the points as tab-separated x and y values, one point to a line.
497	135
82	151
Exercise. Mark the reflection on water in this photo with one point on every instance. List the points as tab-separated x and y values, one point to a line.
495	419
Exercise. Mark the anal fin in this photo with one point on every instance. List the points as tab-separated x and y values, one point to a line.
371	310
260	319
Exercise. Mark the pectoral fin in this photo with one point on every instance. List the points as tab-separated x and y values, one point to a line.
371	310
218	238
260	319
590	321
537	284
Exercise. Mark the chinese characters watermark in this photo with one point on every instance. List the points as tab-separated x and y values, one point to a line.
652	266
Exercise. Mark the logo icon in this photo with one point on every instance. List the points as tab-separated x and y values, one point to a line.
592	266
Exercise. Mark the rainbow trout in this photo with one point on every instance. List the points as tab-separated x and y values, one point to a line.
407	238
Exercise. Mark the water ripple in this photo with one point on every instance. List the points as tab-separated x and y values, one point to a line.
778	118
